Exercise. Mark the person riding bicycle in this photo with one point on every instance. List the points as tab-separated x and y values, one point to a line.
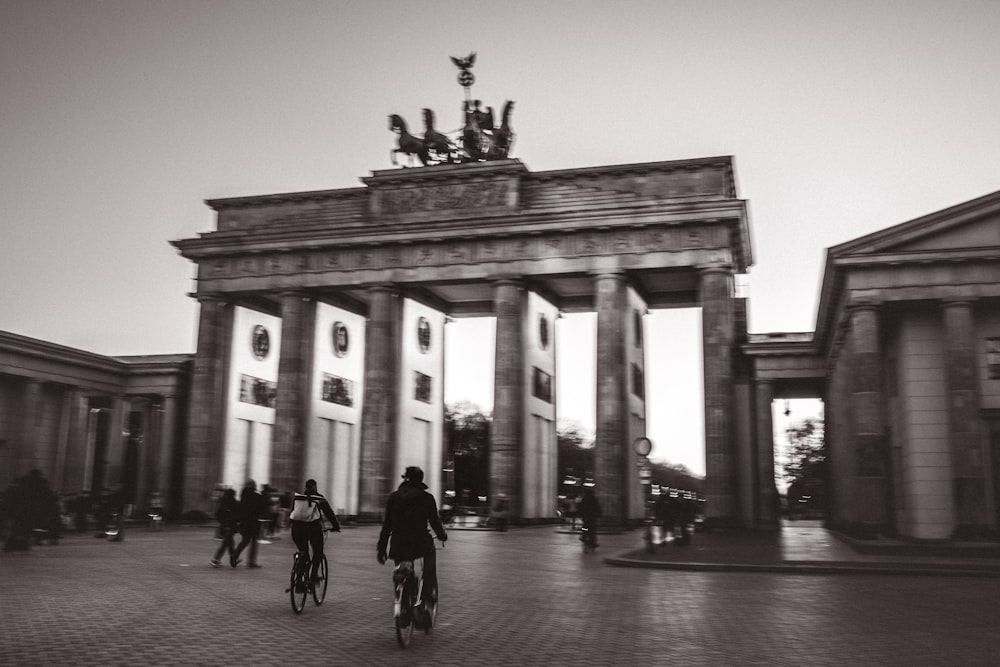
306	516
408	512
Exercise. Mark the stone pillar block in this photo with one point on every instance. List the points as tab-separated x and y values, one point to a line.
506	434
291	403
716	297
381	400
611	448
205	415
969	470
872	506
767	493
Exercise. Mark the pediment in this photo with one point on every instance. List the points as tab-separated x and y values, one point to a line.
972	225
977	234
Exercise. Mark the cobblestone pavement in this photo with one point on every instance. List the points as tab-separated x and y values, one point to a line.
526	597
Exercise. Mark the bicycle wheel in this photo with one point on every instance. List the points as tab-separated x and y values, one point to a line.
430	611
319	586
404	618
298	589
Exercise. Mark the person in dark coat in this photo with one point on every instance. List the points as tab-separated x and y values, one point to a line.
404	535
590	509
252	508
228	516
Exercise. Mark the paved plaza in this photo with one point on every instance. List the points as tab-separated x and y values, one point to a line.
526	597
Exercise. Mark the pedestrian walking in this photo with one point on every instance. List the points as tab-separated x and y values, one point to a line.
251	509
501	509
590	509
228	516
685	517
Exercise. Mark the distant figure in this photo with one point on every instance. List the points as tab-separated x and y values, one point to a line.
228	516
272	501
590	509
252	508
501	510
154	510
685	517
572	510
663	511
114	512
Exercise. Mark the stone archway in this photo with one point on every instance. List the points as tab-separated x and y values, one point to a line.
475	239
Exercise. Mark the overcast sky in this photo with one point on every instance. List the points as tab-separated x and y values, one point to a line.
118	118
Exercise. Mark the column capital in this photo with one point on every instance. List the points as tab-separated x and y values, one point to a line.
612	274
958	301
725	268
208	297
392	288
861	305
509	279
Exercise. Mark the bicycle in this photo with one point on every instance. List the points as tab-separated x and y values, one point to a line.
407	609
301	585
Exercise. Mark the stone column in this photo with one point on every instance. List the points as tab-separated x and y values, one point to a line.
767	493
611	447
507	431
872	500
69	397
968	461
716	295
292	402
74	479
204	441
381	399
114	452
29	419
167	420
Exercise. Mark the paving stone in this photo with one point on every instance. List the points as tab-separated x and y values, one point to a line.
526	597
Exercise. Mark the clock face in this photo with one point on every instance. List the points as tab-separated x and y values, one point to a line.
424	335
543	331
260	342
341	339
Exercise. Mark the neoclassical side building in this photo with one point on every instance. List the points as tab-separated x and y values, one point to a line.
90	422
323	319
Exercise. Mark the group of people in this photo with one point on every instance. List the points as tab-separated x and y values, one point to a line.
410	511
27	506
243	517
675	510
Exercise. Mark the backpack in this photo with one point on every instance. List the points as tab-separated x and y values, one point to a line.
305	508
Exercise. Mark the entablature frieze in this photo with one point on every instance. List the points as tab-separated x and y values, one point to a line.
709	242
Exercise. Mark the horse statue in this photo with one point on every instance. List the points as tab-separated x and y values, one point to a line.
503	136
437	141
475	142
408	144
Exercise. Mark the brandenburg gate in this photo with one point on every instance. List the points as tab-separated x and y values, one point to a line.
322	323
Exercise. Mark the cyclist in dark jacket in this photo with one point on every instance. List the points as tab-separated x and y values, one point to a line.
408	513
